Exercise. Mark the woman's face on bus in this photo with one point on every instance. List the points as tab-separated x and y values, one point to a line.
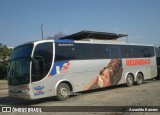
106	78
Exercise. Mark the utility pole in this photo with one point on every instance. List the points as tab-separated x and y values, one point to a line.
42	30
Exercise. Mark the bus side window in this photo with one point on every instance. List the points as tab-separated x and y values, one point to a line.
146	52
139	52
64	52
134	52
114	51
102	51
84	51
152	51
125	52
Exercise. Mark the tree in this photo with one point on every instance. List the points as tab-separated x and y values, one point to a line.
57	36
5	53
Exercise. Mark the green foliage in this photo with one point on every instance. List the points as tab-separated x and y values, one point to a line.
3	70
5	54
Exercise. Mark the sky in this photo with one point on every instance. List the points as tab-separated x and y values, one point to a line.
20	20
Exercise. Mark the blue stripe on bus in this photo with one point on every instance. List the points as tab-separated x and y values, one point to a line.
64	41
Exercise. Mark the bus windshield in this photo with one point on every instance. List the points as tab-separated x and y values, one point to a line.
19	70
22	51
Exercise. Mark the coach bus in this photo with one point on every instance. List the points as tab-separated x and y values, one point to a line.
60	68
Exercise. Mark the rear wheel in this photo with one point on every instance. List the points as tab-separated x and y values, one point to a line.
139	79
63	91
129	80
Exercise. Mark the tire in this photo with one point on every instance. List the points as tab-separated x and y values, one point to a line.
139	79
63	91
129	80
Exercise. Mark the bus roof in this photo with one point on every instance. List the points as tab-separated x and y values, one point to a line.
84	41
93	35
89	37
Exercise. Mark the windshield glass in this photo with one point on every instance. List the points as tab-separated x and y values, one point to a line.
22	51
19	70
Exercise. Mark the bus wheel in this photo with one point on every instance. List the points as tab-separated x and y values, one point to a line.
129	80
63	91
139	79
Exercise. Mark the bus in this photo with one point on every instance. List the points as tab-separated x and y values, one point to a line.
61	68
158	62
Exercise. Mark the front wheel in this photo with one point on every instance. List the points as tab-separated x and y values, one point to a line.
129	80
63	91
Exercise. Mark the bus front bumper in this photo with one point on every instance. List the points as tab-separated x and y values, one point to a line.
19	95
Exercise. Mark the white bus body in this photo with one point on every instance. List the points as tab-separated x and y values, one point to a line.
57	68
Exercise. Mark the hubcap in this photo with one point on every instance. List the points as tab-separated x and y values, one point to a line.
139	78
130	80
63	92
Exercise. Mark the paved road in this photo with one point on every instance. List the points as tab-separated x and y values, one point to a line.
147	94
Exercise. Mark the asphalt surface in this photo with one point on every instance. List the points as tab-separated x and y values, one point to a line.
147	94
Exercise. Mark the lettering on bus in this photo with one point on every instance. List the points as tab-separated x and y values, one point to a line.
39	90
65	45
136	62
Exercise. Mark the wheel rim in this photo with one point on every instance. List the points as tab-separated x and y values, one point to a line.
139	78
63	92
130	80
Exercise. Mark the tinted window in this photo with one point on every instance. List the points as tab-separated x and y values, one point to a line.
22	51
101	51
64	51
146	52
84	51
114	51
137	51
152	49
43	55
126	52
80	51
